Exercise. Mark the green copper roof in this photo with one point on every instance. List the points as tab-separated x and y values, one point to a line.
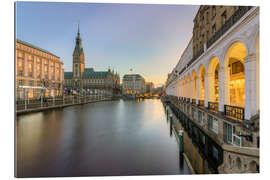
88	73
93	74
68	75
33	46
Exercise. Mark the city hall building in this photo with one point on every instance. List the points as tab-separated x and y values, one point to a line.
215	84
87	79
38	72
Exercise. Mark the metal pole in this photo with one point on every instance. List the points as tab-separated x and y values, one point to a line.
181	141
72	99
25	106
41	100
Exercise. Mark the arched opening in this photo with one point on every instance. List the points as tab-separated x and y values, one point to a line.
189	86
213	80
185	86
201	82
238	163
194	77
253	167
229	161
181	88
235	75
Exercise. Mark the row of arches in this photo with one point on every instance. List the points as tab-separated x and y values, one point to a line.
227	81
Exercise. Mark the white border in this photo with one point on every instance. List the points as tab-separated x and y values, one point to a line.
7	87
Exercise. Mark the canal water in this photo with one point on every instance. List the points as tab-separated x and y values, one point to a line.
98	139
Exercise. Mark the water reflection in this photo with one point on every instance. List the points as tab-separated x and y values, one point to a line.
105	138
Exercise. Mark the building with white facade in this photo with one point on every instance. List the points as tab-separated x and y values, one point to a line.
220	81
133	84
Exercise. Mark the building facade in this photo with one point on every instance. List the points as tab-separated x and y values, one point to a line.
38	72
133	84
149	87
87	80
216	82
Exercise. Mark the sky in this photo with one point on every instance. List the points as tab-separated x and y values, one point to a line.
146	38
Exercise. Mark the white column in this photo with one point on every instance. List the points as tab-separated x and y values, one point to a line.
186	89
206	90
181	88
197	90
250	86
211	87
178	89
221	92
191	89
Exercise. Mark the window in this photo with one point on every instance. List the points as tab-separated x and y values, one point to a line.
200	117
223	18
30	74
214	29
237	67
20	73
30	67
202	19
203	38
31	83
215	152
213	124
207	16
227	132
193	112
214	11
21	83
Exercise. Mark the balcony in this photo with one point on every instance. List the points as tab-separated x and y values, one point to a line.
201	103
228	24
213	106
234	112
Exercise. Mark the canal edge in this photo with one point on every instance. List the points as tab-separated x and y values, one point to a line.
184	154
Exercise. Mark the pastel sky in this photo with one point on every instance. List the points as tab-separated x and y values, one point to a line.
147	38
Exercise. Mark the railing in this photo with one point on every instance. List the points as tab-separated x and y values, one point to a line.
201	103
228	24
44	102
234	112
213	106
198	54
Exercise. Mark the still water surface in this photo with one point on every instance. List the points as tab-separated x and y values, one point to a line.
104	138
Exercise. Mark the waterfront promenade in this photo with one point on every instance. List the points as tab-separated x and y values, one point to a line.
34	105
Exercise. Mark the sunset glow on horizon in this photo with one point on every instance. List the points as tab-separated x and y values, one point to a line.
147	38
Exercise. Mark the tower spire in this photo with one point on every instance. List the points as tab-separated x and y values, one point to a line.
79	28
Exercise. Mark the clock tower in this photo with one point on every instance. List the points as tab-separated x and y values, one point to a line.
78	60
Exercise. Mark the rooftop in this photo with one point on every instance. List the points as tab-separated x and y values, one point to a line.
33	46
